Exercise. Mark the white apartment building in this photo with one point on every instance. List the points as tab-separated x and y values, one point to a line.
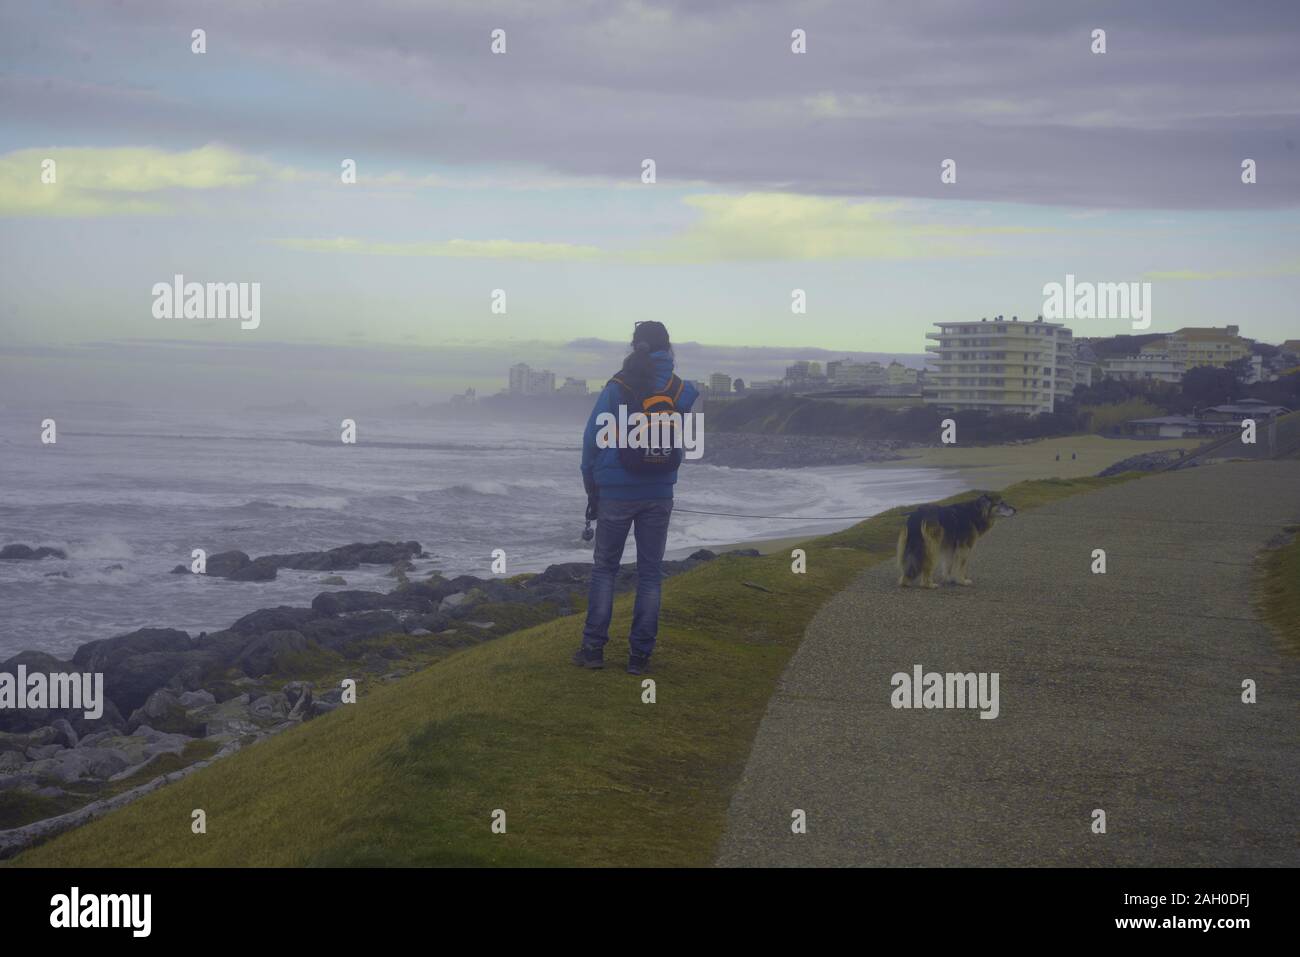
848	374
1154	366
1000	365
525	380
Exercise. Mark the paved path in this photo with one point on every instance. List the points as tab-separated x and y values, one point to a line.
1119	691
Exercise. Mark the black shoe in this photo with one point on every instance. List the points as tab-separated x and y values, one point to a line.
584	658
638	664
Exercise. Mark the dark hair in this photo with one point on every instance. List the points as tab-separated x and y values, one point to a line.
638	368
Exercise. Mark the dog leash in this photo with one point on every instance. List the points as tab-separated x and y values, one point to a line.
863	518
786	518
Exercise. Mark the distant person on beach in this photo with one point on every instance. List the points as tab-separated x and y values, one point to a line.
627	490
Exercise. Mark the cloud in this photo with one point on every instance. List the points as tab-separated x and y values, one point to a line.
451	248
91	181
749	228
710	90
791	227
1267	272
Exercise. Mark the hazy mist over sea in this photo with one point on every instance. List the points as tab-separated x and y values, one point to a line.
129	494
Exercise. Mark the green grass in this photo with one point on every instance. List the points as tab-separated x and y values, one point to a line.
586	773
1279	596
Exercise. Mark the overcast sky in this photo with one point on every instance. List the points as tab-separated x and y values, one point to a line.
522	172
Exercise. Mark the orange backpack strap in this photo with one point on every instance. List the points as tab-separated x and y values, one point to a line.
680	386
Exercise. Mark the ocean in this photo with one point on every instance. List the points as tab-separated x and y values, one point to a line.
128	495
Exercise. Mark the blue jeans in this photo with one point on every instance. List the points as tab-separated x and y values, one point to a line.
614	518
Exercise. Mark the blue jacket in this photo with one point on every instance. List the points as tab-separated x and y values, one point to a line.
602	466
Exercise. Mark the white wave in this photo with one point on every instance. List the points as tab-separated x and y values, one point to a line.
103	546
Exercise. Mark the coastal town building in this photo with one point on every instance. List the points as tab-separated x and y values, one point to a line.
720	383
1194	346
524	380
572	386
899	374
1215	420
848	374
1148	366
1087	366
804	376
1000	365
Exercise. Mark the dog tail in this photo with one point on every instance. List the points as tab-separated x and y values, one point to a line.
911	546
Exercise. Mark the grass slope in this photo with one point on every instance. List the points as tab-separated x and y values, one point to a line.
586	773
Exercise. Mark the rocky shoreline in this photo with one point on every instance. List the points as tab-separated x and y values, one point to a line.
175	702
752	450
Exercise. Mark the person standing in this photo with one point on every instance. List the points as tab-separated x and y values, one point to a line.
630	493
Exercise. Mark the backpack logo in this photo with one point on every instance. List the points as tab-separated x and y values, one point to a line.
654	437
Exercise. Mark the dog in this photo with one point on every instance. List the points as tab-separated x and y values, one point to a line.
943	536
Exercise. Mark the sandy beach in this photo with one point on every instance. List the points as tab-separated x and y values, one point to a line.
999	466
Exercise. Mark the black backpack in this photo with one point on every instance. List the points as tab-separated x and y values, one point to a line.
654	461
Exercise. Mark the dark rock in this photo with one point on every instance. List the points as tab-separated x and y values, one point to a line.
180	570
128	683
743	553
17	720
21	741
136	664
343	632
102	655
225	564
565	573
190	700
11	761
164	712
336	602
280	618
29	554
68	736
110	720
35	661
348	556
427	623
258	571
339	602
435	589
226	645
270	706
265	653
